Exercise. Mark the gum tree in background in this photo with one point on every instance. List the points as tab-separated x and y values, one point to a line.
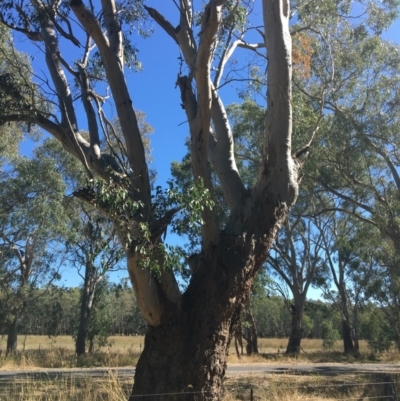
350	269
32	220
296	256
97	251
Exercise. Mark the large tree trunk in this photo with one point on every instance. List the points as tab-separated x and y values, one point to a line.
188	356
89	288
12	337
187	352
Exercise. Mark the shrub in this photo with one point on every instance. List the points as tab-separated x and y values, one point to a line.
329	335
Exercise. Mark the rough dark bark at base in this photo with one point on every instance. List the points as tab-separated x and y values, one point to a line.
187	353
166	374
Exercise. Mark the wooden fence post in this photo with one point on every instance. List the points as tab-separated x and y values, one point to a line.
390	390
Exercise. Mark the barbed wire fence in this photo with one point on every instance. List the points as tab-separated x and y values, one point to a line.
384	388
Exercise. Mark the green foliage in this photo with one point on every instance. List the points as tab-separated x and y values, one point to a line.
32	221
101	318
307	325
16	89
329	335
377	332
114	198
56	312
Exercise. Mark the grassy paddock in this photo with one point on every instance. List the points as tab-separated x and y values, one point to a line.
122	343
265	387
58	352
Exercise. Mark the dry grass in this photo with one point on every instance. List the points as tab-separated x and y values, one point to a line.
295	388
265	388
40	343
111	388
272	350
58	352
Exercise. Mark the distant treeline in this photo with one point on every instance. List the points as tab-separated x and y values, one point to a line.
56	312
115	312
272	317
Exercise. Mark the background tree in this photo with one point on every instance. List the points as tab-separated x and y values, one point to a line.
295	257
14	66
95	249
357	159
32	218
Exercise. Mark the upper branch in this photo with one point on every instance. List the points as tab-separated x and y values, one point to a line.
127	117
222	155
57	74
114	31
200	134
278	173
95	152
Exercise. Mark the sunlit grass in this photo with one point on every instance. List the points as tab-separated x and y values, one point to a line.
111	388
58	352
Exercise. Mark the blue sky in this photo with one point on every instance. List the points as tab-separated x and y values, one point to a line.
153	91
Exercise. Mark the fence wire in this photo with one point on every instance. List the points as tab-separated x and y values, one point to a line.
26	379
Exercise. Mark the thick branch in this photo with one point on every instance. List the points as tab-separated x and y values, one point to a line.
279	172
127	117
200	134
383	152
114	31
146	291
57	73
222	155
95	152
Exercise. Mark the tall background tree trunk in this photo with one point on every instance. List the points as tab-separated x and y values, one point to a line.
250	331
348	344
296	312
349	333
88	292
12	337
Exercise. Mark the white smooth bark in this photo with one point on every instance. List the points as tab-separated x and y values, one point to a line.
114	31
279	173
146	291
127	117
222	155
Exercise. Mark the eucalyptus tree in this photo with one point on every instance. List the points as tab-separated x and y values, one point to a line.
358	154
295	258
32	219
350	269
14	65
358	159
189	329
91	241
384	288
95	249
